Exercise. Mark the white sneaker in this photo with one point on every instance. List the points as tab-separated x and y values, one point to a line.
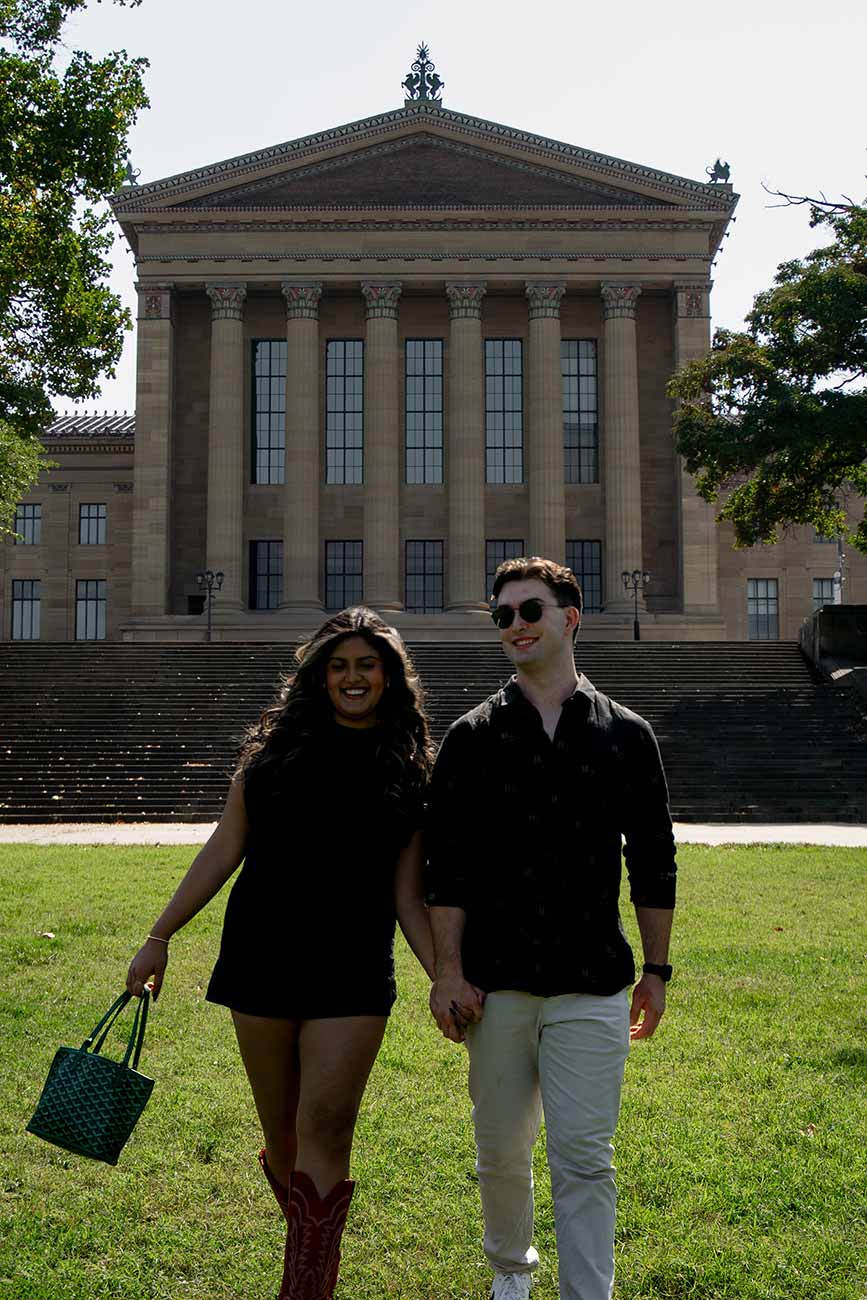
511	1286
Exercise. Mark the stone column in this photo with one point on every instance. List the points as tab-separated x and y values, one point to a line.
152	475
301	550
622	448
466	459
225	540
381	447
699	540
545	408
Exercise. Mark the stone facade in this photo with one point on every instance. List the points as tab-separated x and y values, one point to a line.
417	225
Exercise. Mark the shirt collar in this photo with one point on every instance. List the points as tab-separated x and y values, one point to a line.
582	697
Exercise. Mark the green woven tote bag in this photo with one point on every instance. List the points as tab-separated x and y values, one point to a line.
90	1104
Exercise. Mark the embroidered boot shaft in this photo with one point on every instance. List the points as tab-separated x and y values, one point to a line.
315	1226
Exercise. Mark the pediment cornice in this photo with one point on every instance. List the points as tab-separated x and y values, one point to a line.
511	144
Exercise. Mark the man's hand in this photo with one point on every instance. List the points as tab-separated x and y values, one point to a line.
455	1004
648	1005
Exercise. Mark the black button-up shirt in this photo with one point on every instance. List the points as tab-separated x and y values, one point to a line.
524	835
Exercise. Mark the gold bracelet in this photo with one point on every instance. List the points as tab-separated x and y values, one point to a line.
158	939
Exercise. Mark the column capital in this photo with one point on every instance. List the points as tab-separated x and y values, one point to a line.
154	301
544	297
227	300
692	298
382	297
620	300
302	299
465	298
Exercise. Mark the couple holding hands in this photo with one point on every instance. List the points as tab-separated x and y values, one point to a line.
501	863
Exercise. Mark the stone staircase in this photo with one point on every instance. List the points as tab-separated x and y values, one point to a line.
114	731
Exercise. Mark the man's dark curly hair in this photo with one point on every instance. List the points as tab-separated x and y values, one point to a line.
294	723
559	580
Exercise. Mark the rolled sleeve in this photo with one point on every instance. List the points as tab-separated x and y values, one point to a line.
649	847
452	816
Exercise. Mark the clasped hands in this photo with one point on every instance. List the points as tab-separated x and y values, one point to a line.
455	1004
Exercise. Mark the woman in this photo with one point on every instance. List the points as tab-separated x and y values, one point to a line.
325	808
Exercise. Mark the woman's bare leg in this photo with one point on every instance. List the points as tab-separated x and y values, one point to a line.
269	1050
336	1058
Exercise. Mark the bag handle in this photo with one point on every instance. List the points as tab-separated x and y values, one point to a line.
141	1019
107	1020
136	1037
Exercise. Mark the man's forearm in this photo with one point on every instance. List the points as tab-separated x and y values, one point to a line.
447	925
654	924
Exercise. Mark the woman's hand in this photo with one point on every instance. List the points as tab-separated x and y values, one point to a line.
455	1004
147	968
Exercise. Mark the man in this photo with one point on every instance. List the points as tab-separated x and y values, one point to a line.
531	793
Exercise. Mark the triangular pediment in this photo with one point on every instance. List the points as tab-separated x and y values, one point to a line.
421	171
421	156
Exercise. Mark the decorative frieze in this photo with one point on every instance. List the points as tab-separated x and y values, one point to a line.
302	299
381	299
544	299
154	301
693	300
227	301
242	255
305	226
620	300
465	299
123	487
58	487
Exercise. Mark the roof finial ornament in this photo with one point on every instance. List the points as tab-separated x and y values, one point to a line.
131	175
720	172
423	84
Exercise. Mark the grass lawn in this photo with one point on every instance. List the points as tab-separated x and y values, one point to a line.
742	1147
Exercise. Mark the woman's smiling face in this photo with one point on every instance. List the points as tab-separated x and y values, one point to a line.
355	680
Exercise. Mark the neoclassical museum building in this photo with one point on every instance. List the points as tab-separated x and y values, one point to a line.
373	363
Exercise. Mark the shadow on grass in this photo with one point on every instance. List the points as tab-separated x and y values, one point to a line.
852	1058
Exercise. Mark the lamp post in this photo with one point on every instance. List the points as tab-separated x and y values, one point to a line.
635	581
211	582
839	573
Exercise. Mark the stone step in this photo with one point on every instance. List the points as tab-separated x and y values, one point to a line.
116	731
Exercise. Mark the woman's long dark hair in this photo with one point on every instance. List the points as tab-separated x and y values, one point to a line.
295	722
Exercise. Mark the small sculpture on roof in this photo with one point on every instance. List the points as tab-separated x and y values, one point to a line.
423	83
720	172
130	176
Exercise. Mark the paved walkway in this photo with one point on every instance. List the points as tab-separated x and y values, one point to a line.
197	832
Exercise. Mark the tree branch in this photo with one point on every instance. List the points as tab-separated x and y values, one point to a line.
803	200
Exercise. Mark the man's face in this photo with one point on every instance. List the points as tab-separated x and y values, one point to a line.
541	644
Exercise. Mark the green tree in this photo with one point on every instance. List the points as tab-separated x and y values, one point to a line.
774	419
64	122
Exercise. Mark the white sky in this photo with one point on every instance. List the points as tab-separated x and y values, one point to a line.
775	87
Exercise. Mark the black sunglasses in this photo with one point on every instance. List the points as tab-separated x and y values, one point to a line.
530	611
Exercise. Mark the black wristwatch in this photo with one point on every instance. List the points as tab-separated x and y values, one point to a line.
651	968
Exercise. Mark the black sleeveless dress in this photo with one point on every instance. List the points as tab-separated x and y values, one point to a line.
309	925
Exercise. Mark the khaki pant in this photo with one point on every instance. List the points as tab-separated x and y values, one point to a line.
564	1054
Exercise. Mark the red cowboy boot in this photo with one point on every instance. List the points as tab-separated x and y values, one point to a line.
281	1192
313	1238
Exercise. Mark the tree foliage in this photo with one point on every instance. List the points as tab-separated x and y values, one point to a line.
21	463
774	419
64	121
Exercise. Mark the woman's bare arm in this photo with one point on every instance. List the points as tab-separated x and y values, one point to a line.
409	902
209	871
